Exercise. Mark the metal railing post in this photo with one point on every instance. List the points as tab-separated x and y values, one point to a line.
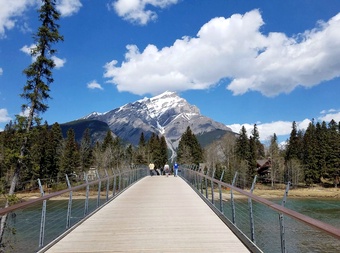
114	183
99	188
232	199
251	215
206	185
281	219
212	186
43	217
120	180
220	191
86	208
107	185
69	206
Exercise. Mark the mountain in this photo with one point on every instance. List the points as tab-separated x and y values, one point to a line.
166	114
98	129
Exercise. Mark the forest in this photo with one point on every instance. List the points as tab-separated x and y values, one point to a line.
311	156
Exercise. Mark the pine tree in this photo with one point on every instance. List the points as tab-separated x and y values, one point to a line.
54	151
108	140
333	157
70	162
39	77
189	150
311	171
163	154
242	145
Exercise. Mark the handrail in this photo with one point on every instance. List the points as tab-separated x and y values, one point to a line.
331	230
52	195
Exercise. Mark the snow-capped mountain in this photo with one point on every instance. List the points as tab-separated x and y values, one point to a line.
166	114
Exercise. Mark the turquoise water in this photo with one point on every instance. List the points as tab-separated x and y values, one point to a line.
299	237
25	225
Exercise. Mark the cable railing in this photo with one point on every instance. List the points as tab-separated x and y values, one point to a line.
268	224
39	222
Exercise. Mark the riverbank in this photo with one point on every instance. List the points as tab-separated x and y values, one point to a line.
311	192
260	190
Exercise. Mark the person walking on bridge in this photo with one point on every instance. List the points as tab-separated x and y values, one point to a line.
151	167
166	169
175	169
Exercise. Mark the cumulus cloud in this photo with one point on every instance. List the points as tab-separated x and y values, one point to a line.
135	10
233	49
68	7
266	130
1	71
10	11
94	85
4	115
59	63
329	115
284	128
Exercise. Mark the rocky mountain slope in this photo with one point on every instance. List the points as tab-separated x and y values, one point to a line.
166	114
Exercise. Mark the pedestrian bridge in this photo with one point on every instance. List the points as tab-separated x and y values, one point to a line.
131	211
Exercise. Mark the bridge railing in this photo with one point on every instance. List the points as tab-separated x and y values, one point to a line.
33	224
268	225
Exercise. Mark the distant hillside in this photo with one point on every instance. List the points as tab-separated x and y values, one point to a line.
98	129
206	139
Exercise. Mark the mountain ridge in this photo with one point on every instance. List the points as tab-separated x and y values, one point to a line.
165	114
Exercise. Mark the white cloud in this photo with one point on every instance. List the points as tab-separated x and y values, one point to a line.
4	115
27	49
10	11
59	63
1	71
232	49
68	7
94	85
266	130
331	115
135	10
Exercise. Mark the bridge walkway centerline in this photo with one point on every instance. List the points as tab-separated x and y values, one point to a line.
157	214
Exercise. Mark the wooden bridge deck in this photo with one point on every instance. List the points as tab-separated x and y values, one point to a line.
157	214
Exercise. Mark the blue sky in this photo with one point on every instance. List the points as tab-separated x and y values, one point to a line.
240	62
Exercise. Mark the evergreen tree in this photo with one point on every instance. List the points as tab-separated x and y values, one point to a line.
141	140
70	162
259	146
163	152
333	157
108	140
37	153
39	77
141	156
293	156
242	145
54	151
311	171
275	159
189	150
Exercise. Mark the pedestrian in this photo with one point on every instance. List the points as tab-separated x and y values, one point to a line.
151	167
166	169
175	169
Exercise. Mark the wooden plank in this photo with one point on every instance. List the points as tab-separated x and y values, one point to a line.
157	214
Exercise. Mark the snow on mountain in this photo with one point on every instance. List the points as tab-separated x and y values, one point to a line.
166	114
